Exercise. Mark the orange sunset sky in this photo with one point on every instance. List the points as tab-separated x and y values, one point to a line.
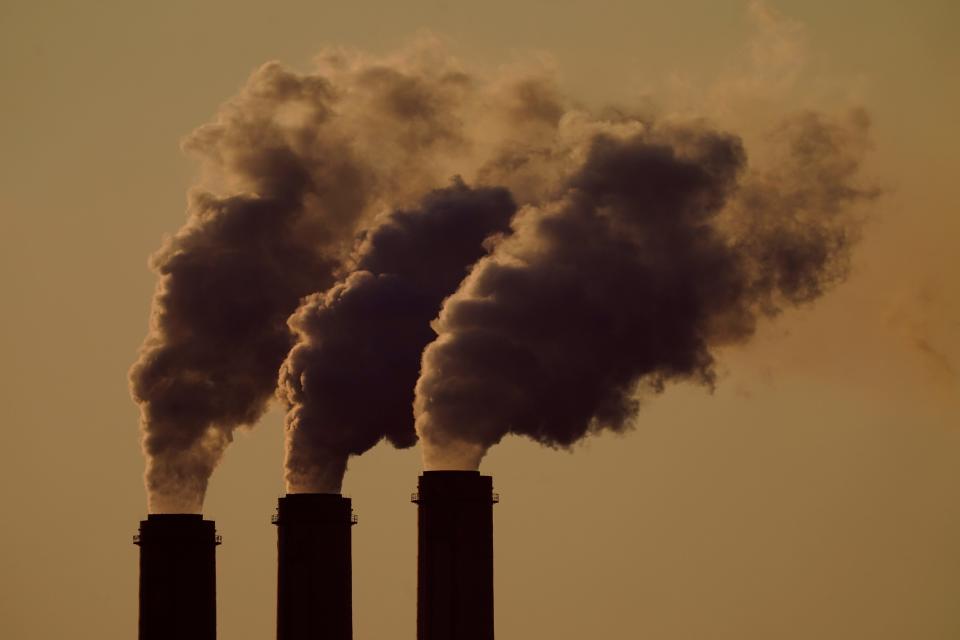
814	494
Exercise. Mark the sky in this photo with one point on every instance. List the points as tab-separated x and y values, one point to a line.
814	493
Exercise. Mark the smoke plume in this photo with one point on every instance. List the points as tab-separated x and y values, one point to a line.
294	168
348	382
321	242
661	247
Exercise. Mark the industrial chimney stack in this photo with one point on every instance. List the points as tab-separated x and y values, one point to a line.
314	584
178	577
455	559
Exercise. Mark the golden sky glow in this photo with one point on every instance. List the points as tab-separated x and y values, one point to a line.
815	494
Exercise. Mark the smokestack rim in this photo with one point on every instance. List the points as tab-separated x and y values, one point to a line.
454	486
314	508
180	528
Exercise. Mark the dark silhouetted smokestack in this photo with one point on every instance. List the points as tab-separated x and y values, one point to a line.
314	584
455	560
178	577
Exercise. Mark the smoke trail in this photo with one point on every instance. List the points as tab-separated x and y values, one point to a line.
655	237
295	166
349	380
661	247
231	276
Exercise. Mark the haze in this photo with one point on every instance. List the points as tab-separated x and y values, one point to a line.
815	494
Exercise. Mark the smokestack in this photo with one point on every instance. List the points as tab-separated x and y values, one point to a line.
455	559
314	584
178	577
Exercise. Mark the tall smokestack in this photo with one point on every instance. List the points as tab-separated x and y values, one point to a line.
314	584
178	577
455	559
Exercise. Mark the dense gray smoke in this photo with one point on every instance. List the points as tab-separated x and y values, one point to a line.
321	243
662	246
348	382
294	167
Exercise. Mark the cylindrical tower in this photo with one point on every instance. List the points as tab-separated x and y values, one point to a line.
455	559
178	577
314	583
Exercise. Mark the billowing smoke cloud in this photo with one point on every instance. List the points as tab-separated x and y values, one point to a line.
661	247
638	249
294	167
348	382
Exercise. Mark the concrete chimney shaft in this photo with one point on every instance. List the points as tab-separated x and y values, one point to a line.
455	558
178	577
314	583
